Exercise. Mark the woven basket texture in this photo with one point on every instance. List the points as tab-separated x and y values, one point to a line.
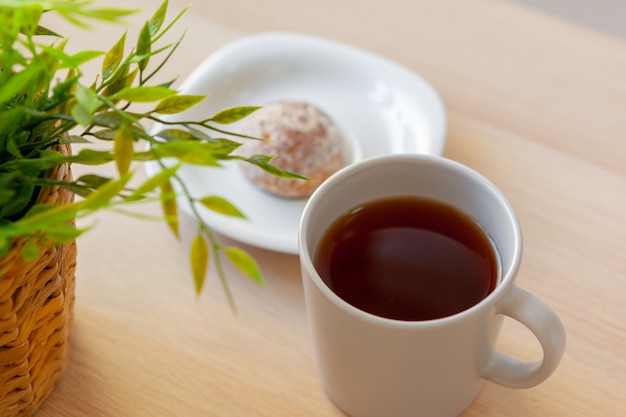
36	305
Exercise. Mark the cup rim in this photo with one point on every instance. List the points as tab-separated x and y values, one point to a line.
507	278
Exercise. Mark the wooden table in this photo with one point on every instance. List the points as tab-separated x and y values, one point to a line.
536	104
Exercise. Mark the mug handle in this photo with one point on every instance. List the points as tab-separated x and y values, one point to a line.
543	322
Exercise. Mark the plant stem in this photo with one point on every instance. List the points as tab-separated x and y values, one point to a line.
215	245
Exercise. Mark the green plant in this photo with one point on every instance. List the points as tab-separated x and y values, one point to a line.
47	100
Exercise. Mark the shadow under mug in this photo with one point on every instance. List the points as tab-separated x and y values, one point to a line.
372	366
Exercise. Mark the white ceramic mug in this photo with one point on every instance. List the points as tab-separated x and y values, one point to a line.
372	366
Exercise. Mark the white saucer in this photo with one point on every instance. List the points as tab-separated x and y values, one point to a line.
379	106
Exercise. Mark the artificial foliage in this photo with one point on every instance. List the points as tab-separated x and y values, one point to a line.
46	99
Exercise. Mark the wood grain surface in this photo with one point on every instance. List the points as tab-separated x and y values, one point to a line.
534	103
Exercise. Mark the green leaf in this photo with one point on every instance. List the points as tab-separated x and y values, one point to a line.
113	58
76	188
263	162
80	58
110	119
221	206
87	97
245	263
175	134
21	195
105	134
169	207
103	196
6	196
39	208
200	135
123	78
177	104
228	144
30	251
91	157
199	257
233	114
5	246
87	103
41	220
158	180
144	45
82	116
107	13
43	31
13	149
73	139
258	159
123	148
92	180
18	83
143	94
52	57
158	18
64	91
191	152
26	18
63	232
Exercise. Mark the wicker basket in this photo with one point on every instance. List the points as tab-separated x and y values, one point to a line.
36	304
